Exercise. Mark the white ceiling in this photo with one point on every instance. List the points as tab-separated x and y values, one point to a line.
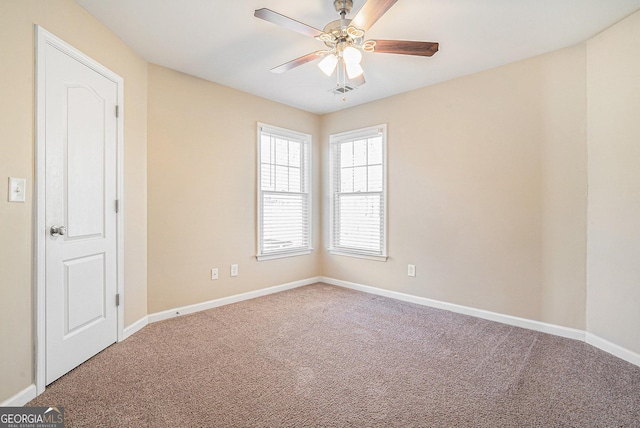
223	42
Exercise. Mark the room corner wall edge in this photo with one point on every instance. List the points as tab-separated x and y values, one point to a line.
184	310
570	333
135	327
613	349
22	397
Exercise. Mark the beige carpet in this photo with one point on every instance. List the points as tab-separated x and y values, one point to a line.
323	356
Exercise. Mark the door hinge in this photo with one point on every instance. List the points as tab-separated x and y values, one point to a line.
117	205
117	111
118	299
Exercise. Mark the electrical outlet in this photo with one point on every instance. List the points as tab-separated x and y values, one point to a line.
214	273
411	270
234	270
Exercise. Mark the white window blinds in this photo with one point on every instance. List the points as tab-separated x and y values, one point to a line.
284	197
358	192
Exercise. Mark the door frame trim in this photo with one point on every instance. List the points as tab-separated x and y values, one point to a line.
43	38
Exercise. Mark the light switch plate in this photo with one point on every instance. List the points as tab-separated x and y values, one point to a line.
234	270
17	189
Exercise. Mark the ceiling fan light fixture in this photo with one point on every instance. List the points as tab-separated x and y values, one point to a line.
353	70
328	64
369	46
325	37
354	32
345	40
351	55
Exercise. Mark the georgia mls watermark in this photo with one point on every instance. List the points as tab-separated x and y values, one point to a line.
32	417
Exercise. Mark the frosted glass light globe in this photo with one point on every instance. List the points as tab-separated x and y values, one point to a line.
352	55
328	64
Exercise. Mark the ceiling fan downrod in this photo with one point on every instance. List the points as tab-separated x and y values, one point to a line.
343	7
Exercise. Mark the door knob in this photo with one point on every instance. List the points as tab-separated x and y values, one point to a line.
58	231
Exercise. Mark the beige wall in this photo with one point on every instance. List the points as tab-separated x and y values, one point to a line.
486	190
74	25
487	185
613	262
563	151
202	190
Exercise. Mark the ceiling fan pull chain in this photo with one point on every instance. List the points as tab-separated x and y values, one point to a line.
344	81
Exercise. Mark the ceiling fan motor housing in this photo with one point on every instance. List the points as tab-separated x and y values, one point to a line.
343	7
341	30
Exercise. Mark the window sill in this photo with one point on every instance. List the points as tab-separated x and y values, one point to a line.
262	257
359	256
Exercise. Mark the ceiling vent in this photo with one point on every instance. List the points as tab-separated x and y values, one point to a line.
342	89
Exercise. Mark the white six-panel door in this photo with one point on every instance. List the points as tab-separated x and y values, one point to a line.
80	212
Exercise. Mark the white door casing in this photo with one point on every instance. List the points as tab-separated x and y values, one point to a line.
78	180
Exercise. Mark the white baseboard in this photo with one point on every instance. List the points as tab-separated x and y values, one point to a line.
29	393
184	310
571	333
613	349
556	330
21	398
135	327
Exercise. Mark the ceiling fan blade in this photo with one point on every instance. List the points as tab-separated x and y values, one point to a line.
371	12
405	47
286	22
297	62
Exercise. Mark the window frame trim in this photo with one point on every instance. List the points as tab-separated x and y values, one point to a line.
305	139
334	141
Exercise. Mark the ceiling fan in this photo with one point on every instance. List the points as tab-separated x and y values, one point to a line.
345	39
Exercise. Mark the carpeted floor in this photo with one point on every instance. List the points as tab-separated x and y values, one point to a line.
324	356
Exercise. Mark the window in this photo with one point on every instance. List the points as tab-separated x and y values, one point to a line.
284	197
358	193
